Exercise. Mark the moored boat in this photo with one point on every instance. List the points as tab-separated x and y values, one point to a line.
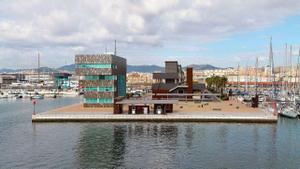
37	96
289	112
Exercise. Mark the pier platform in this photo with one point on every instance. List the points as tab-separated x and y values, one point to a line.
228	111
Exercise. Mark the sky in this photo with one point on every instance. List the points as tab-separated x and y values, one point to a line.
217	32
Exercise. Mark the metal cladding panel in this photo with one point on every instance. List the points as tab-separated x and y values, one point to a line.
163	86
171	67
97	105
93	71
101	58
189	79
95	83
95	94
156	91
165	76
121	65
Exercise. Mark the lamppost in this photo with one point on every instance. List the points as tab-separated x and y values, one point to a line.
34	103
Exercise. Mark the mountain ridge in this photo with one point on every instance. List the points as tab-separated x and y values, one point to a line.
130	68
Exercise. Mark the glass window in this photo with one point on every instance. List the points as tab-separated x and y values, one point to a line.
96	65
100	89
99	100
101	77
90	100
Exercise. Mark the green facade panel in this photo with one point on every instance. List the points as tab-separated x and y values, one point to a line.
95	65
98	100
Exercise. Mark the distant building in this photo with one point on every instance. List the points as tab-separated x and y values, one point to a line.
7	79
36	78
173	81
103	78
62	80
139	78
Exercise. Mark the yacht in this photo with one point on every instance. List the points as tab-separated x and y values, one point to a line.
289	112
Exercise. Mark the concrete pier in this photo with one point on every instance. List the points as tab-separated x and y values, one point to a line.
203	117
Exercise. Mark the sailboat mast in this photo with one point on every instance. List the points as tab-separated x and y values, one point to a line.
291	69
256	71
238	77
38	69
297	73
271	62
286	68
247	74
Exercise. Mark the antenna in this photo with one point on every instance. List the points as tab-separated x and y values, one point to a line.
115	47
105	49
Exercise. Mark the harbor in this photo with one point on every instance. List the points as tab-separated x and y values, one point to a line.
150	84
58	145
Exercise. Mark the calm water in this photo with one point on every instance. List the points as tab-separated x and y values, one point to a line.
141	145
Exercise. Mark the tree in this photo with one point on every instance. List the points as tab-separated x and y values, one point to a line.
216	83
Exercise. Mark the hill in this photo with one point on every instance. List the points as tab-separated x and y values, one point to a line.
130	68
203	67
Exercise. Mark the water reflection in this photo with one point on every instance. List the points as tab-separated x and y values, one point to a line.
183	145
101	146
189	135
142	145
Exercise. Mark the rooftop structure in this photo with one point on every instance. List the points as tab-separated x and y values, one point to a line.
173	80
173	74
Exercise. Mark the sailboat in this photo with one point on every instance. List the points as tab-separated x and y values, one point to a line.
290	111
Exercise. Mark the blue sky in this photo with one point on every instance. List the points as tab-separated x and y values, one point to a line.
217	32
243	47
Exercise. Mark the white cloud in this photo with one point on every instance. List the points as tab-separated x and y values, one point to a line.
60	26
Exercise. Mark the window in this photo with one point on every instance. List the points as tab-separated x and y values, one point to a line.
96	65
100	89
98	100
101	77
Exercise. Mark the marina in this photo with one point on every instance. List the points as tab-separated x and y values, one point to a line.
150	84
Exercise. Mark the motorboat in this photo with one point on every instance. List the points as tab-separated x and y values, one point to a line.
37	96
289	112
261	98
69	93
240	98
247	98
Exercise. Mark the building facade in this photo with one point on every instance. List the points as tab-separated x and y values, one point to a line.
62	80
103	78
168	80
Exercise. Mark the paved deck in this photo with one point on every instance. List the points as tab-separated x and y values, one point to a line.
183	112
